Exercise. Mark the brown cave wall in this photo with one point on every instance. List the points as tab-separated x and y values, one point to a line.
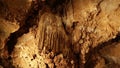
59	33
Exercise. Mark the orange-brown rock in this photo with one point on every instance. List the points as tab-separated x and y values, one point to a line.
59	33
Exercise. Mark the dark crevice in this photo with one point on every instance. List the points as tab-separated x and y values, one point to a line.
77	61
64	26
30	21
98	7
93	51
6	63
107	43
46	65
34	56
74	24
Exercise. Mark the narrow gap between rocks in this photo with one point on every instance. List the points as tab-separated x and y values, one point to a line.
30	21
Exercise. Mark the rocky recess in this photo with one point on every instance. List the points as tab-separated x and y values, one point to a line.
59	33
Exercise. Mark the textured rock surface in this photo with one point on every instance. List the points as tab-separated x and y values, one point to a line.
4	32
111	55
14	10
59	33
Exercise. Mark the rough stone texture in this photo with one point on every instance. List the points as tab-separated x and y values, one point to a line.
59	33
94	23
4	32
111	55
14	10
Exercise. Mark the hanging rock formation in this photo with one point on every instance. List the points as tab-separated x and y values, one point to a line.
59	33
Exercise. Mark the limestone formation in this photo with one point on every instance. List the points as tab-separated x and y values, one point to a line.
59	33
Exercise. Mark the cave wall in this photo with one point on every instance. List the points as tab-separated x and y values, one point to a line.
59	33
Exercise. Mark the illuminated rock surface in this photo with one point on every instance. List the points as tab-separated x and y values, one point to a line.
59	34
